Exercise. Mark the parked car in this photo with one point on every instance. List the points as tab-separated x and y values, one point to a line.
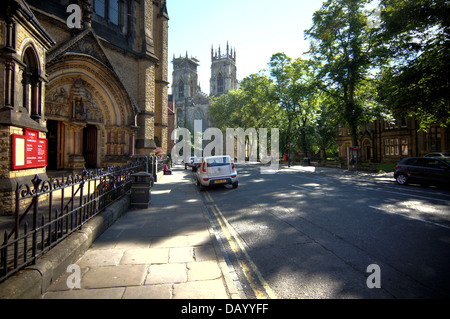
193	162
440	155
425	170
189	162
217	170
196	163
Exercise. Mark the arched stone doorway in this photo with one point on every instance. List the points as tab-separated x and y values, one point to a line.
367	150
95	119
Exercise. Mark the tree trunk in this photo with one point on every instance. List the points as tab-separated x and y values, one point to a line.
354	135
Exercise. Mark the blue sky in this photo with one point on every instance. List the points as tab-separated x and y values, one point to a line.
255	28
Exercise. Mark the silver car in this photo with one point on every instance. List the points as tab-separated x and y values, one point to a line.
442	156
216	170
193	162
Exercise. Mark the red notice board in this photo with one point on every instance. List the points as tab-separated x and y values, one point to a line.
29	151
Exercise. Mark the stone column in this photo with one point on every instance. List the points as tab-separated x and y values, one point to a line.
75	146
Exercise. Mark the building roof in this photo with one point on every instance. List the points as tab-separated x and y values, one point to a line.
20	9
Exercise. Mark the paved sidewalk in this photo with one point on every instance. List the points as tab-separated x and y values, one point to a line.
166	251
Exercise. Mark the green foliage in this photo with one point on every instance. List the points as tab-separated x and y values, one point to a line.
343	43
415	78
297	93
252	105
288	99
359	71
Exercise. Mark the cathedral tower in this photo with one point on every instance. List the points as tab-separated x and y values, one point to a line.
185	89
184	78
223	71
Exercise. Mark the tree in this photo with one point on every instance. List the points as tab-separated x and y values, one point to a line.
297	93
416	73
252	105
343	43
327	122
225	110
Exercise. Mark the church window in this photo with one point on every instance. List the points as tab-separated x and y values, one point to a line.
391	147
220	86
191	89
123	14
433	139
404	142
180	89
114	11
99	7
31	86
180	118
403	122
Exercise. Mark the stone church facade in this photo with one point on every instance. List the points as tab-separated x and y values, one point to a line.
97	94
190	103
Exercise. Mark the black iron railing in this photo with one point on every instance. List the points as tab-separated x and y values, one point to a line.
50	210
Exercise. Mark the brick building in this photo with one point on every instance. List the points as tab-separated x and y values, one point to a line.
380	141
97	93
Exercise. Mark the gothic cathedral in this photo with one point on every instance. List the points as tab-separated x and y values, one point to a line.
190	103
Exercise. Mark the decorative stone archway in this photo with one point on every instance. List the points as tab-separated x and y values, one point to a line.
367	150
83	92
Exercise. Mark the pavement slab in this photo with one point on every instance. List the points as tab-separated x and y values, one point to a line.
165	251
114	276
208	289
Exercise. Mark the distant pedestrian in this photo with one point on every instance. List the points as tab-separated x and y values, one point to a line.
166	169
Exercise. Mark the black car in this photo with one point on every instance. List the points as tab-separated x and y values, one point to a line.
422	170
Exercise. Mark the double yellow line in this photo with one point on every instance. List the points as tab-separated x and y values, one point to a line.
258	284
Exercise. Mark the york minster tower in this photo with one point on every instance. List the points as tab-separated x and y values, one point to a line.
223	71
190	103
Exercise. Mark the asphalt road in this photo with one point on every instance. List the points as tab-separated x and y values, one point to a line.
329	233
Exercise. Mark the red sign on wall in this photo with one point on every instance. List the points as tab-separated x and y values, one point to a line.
29	151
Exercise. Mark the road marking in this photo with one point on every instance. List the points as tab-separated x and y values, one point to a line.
309	189
258	284
410	217
418	190
404	194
